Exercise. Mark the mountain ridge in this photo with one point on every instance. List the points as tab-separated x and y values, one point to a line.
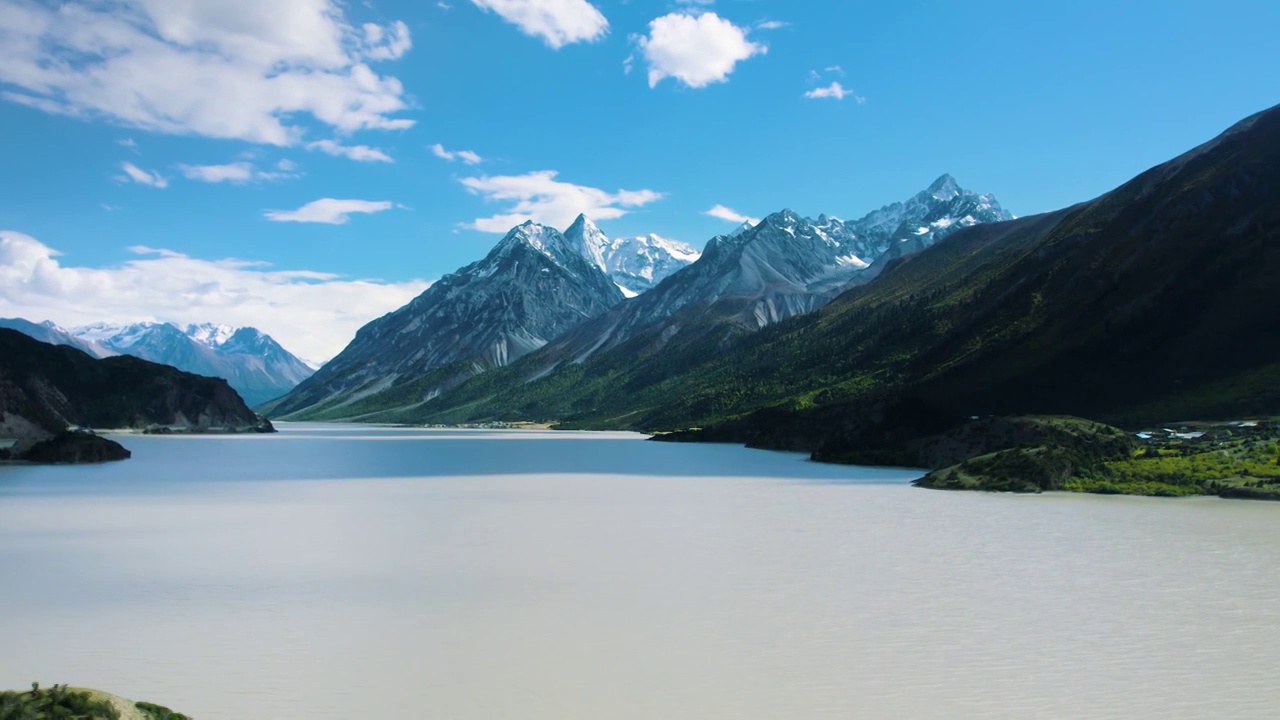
257	366
746	280
47	390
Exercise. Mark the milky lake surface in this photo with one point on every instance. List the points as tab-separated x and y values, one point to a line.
352	572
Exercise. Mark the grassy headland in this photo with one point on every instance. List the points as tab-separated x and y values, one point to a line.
1235	460
61	701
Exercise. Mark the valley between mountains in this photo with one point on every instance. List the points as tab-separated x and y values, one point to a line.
937	332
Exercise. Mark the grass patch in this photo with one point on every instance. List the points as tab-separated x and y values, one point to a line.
56	702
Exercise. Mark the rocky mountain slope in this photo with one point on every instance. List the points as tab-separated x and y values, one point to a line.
759	275
532	287
254	363
51	333
47	389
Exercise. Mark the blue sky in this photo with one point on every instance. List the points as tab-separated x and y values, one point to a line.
162	154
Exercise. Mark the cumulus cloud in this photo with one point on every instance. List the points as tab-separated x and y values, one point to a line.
834	90
696	51
236	172
540	197
312	314
328	211
359	153
133	173
240	69
557	22
465	156
724	213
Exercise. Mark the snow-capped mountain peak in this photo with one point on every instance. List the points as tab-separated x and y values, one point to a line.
744	227
944	188
588	240
97	332
634	264
210	334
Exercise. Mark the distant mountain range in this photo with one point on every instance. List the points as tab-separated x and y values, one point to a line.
255	365
563	297
46	390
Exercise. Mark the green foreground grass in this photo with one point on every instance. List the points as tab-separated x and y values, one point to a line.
67	703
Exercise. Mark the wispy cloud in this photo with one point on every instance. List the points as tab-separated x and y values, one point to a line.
328	211
557	22
359	153
540	197
314	314
236	172
772	24
241	70
696	51
836	91
133	173
465	156
731	215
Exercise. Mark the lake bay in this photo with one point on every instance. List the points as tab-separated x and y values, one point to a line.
360	572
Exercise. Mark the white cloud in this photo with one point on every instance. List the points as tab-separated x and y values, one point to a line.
540	197
312	314
696	51
386	43
834	90
236	172
328	211
724	213
142	177
359	153
465	156
557	22
241	69
772	24
128	143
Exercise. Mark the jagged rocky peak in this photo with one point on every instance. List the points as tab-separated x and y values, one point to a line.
635	264
211	334
543	238
944	188
589	240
